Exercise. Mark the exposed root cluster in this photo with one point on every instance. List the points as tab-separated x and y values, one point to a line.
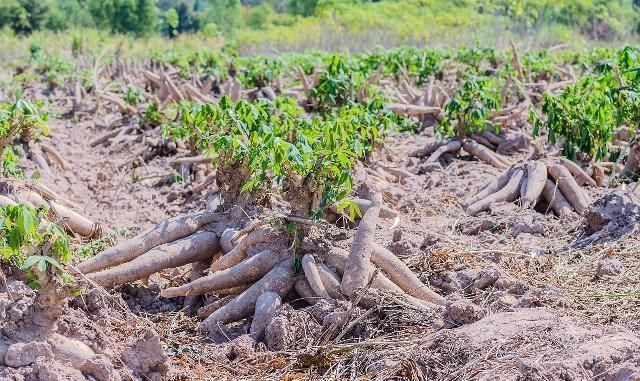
558	181
253	270
172	243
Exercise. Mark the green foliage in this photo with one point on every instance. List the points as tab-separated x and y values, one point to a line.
152	116
305	23
351	208
475	56
96	246
527	14
210	29
303	7
20	117
336	84
260	17
10	163
76	44
30	242
421	63
124	16
17	117
24	16
132	96
173	21
53	67
199	63
585	115
225	14
469	107
259	71
278	143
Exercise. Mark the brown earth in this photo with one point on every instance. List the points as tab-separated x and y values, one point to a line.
526	299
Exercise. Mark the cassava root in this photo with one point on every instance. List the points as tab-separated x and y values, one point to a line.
554	181
165	232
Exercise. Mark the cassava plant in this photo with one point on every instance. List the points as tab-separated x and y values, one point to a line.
280	150
21	123
466	124
31	243
269	150
35	249
584	117
336	85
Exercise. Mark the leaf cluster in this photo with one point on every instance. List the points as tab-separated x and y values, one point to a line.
585	115
278	143
17	118
30	242
469	107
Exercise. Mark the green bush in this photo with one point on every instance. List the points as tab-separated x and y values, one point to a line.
585	115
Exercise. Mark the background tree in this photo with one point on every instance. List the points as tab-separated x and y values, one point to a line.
147	17
261	16
226	14
24	16
187	20
303	7
172	22
124	16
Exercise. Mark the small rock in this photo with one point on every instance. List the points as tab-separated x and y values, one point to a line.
291	329
242	347
214	201
47	370
172	196
322	309
610	218
463	311
23	354
429	167
146	356
100	368
504	282
402	249
609	267
543	297
485	279
478	226
527	224
504	301
454	281
615	207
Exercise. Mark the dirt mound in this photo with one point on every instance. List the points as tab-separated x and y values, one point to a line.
610	218
77	349
526	344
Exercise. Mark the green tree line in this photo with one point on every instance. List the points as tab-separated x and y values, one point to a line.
141	16
172	17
